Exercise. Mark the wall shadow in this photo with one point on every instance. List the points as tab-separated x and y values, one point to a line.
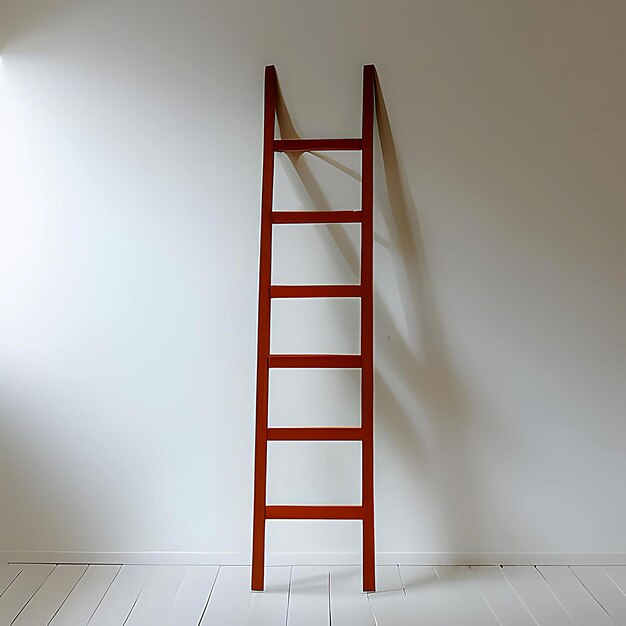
20	19
436	409
40	481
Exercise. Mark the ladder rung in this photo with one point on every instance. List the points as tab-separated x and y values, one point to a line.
311	145
314	512
315	360
333	433
315	291
316	217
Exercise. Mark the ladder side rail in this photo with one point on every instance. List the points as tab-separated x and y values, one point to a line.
367	330
263	330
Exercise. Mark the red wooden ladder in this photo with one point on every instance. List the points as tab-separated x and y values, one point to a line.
364	361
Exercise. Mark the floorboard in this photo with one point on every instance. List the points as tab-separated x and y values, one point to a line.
8	573
233	604
617	574
85	597
578	602
157	597
536	594
19	593
469	604
193	596
604	589
309	603
122	596
506	605
51	595
348	604
390	603
172	595
434	596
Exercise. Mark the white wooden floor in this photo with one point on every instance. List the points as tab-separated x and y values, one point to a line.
164	595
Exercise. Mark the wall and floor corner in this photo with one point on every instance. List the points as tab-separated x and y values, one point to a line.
129	207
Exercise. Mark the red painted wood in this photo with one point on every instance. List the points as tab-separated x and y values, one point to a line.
367	330
332	433
315	291
365	360
316	217
313	145
330	361
314	512
263	347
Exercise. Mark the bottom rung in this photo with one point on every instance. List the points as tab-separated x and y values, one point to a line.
314	512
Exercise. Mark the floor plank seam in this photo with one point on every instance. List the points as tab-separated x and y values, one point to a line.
590	593
615	582
482	595
12	581
288	594
401	579
104	595
132	608
34	593
434	568
219	567
518	596
554	595
180	586
369	602
330	613
67	596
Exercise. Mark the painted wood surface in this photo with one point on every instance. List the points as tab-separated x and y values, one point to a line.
189	595
82	602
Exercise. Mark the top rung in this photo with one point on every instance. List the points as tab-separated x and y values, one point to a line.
313	145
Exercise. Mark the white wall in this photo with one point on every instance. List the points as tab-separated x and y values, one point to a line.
130	183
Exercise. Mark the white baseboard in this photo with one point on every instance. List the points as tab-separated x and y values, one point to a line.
318	558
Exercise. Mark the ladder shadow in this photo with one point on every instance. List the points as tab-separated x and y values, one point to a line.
414	372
